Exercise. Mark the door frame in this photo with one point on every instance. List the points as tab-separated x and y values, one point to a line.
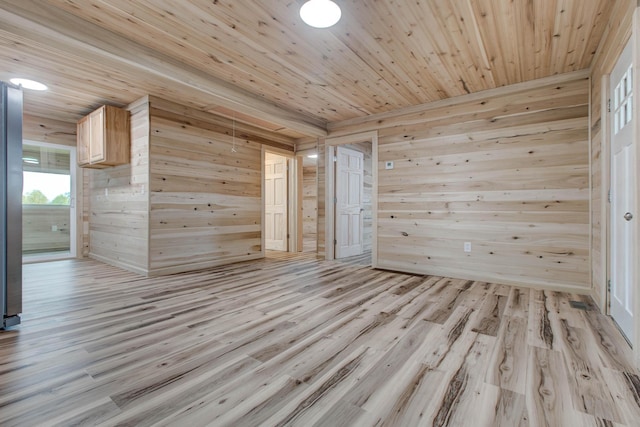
329	182
294	198
605	226
75	214
609	108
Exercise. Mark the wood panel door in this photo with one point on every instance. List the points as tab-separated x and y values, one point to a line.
623	260
83	137
97	132
275	181
349	202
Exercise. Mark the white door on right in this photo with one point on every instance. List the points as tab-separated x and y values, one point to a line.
623	220
349	202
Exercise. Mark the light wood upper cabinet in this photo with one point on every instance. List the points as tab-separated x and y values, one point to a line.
83	141
103	138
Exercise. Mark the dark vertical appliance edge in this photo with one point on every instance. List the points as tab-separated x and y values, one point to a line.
11	201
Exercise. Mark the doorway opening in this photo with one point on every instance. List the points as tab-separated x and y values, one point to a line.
308	159
351	197
48	202
282	194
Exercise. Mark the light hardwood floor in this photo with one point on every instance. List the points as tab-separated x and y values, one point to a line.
290	340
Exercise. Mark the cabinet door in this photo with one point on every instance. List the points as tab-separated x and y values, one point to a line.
84	134
97	139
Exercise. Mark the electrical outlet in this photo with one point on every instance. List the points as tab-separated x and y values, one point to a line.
467	246
388	165
54	228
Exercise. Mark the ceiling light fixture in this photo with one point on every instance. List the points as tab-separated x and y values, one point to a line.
320	13
29	84
312	156
31	160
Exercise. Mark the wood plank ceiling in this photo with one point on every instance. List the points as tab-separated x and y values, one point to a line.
255	60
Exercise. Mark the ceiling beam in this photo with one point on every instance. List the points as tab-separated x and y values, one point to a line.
63	31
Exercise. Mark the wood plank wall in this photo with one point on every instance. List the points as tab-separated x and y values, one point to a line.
613	42
186	201
119	202
506	169
46	130
206	205
86	211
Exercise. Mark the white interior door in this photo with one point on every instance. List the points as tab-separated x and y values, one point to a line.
622	194
275	202
349	203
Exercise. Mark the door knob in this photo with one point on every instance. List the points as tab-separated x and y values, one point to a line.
628	216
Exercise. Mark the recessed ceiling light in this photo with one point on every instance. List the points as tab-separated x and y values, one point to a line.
29	84
320	13
31	160
312	156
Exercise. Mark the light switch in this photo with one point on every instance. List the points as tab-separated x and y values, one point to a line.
388	165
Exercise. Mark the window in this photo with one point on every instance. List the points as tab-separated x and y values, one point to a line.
623	101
